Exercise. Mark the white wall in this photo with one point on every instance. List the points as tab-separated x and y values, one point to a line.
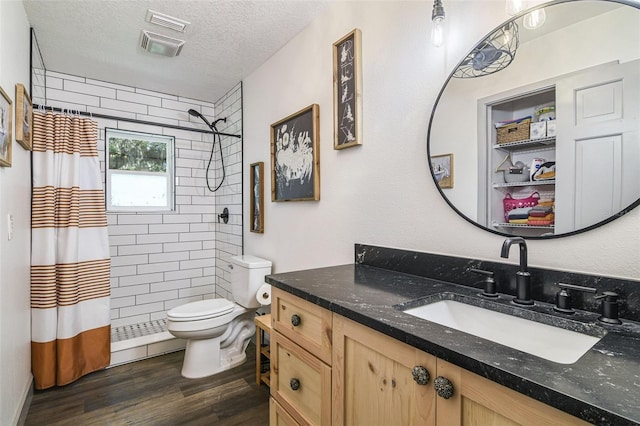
381	193
15	198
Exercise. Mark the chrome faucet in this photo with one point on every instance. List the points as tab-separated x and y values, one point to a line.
523	277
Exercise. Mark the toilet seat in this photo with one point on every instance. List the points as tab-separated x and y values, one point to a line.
201	310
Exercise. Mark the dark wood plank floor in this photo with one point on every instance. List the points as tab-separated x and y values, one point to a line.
152	392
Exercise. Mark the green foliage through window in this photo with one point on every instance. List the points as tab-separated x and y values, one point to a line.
137	155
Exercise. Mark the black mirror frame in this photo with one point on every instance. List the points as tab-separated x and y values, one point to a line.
435	106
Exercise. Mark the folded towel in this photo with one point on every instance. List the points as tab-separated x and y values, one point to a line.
519	221
540	212
519	213
540	222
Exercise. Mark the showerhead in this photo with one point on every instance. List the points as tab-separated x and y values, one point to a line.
195	113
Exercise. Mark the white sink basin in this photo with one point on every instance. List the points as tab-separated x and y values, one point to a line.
545	341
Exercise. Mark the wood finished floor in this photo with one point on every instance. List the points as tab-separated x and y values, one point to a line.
152	392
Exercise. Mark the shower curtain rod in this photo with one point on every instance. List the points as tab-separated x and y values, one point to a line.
131	120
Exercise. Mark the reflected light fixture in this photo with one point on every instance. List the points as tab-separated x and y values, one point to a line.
534	19
437	19
493	54
513	7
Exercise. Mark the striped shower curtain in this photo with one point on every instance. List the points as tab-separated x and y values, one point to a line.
70	288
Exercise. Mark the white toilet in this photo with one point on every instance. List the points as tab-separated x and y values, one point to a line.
218	330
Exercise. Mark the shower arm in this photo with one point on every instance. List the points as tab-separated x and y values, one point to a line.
211	126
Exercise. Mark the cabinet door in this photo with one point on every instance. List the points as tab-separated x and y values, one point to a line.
372	379
598	145
479	401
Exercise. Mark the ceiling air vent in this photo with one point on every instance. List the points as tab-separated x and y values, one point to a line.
166	21
161	45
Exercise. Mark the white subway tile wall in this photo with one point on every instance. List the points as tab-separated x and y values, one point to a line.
162	260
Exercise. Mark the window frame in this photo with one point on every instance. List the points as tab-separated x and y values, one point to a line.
170	142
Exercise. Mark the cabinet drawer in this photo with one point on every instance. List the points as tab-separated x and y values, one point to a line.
278	416
303	322
300	382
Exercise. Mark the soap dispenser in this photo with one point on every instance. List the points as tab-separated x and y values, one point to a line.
609	307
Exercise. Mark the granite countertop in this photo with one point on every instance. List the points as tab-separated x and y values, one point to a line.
602	387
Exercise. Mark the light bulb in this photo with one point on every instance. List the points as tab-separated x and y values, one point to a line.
507	35
513	7
437	31
534	19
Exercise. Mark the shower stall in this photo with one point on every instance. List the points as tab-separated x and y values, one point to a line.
160	260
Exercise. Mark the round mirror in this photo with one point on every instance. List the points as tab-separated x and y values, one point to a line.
536	132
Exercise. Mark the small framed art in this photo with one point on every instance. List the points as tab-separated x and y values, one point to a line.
347	91
295	156
24	117
6	123
256	191
442	168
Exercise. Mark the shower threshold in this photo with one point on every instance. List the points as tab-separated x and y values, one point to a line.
134	342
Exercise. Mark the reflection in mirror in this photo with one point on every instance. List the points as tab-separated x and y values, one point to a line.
550	144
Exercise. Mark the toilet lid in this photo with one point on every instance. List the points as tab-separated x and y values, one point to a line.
203	309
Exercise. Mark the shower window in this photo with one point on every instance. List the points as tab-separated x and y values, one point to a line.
140	171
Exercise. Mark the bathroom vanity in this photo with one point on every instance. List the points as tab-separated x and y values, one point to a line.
345	352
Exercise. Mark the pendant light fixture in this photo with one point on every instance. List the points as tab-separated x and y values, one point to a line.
437	20
534	19
513	7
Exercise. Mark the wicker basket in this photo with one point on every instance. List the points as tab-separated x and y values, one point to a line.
518	131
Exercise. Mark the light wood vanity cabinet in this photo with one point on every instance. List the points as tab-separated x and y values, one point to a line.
300	361
372	380
479	401
369	380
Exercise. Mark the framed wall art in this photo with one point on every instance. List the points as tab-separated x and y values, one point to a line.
256	182
347	91
295	156
24	117
6	122
442	167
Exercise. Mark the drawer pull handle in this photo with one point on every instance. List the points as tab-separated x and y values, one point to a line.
295	320
420	375
443	386
295	384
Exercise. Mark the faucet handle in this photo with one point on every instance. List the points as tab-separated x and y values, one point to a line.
563	297
609	307
489	282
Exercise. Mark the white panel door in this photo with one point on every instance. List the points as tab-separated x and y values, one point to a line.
597	145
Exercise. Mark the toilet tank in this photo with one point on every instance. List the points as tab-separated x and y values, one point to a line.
247	275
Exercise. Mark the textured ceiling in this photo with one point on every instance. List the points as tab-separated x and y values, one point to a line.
226	41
